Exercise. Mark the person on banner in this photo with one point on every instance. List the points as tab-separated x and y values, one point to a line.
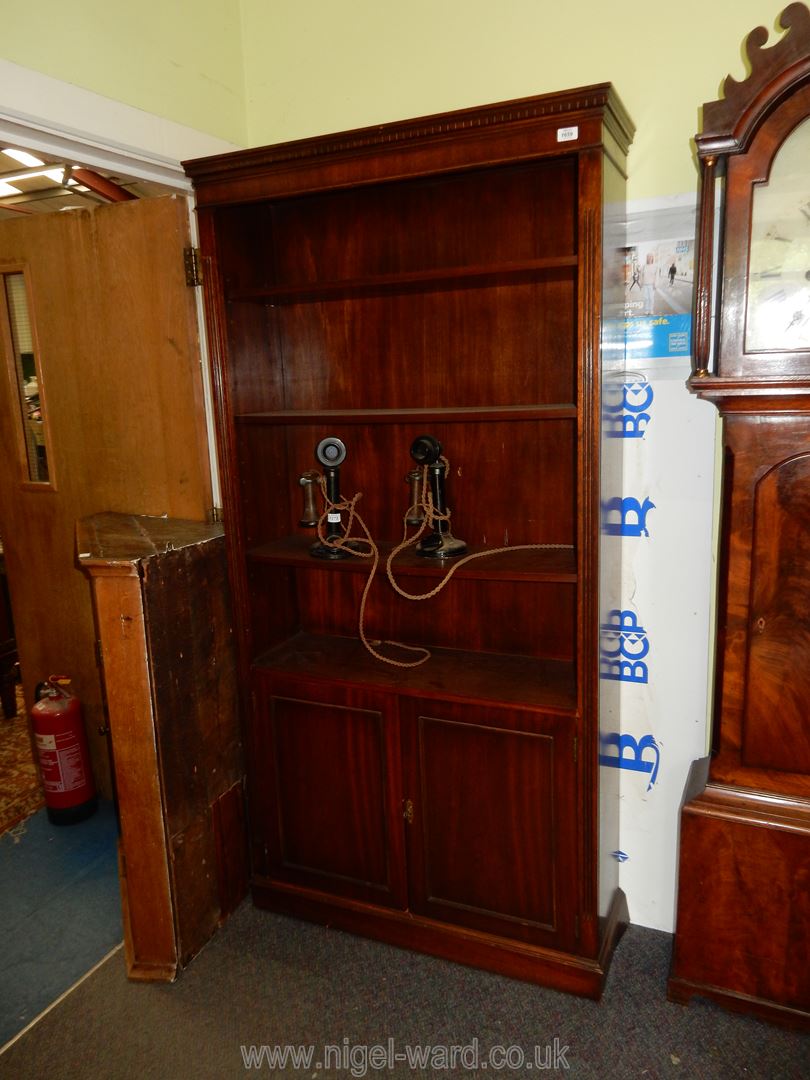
649	274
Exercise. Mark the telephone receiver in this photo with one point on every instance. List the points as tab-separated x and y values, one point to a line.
310	515
440	543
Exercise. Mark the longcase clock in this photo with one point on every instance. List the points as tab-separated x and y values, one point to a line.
743	921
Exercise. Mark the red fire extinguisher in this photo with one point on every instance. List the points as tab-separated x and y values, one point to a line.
64	759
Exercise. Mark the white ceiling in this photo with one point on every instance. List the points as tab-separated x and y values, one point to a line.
33	183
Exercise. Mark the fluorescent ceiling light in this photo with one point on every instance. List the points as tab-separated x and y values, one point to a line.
7	189
52	174
24	158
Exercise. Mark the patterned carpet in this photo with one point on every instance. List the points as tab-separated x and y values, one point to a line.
20	792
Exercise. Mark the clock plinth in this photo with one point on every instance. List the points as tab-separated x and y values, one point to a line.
743	920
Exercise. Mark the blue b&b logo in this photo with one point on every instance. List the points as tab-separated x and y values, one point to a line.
626	517
630	754
623	647
625	408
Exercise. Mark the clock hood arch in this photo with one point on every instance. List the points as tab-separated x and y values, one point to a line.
776	72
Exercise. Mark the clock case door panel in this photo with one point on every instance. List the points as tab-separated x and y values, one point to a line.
776	732
494	819
762	689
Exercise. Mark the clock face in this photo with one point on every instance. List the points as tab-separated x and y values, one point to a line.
778	314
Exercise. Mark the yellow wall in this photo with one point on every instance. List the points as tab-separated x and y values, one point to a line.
259	71
315	66
178	59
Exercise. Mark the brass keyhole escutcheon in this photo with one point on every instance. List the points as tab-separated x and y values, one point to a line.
407	811
760	625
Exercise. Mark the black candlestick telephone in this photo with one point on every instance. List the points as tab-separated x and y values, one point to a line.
331	453
440	544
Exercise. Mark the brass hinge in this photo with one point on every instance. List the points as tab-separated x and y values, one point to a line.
576	749
192	263
407	811
217	515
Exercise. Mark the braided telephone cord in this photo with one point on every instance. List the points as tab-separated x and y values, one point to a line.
351	544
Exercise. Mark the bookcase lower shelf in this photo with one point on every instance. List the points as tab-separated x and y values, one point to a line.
449	673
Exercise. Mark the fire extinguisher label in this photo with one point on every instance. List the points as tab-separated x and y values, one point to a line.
60	762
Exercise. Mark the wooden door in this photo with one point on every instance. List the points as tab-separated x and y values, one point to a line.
491	800
113	332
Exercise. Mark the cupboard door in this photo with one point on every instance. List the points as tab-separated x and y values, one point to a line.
490	800
328	797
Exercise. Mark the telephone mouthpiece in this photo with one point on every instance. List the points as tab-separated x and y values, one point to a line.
331	451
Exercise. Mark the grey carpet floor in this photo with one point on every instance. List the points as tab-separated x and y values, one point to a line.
270	981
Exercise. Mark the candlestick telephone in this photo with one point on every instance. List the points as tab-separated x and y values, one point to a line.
427	511
331	453
440	543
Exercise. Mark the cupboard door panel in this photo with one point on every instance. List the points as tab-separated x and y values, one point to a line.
491	841
331	804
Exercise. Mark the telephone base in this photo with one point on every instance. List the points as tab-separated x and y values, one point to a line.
441	546
320	550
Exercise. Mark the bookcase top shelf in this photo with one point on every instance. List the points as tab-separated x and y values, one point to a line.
455	277
447	415
521	564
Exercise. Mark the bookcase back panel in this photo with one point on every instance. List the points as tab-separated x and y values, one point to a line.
266	500
509	482
481	217
274	606
244	246
472	346
496	617
253	384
